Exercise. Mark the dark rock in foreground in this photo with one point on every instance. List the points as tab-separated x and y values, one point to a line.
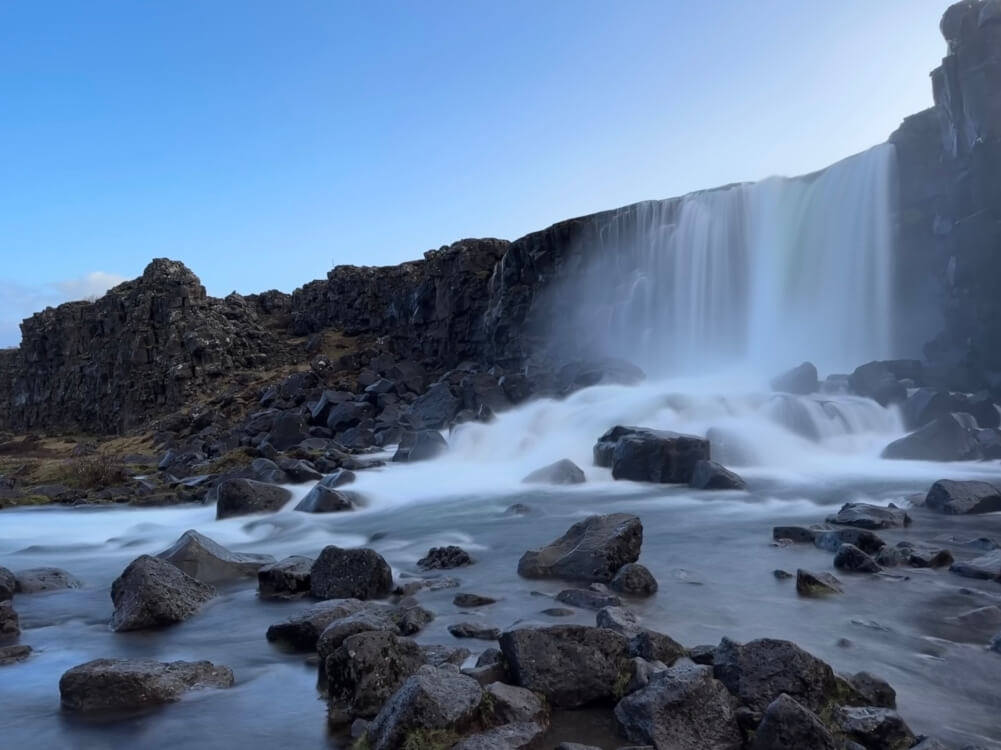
866	516
563	471
126	685
367	668
350	574
851	558
152	592
208	561
874	728
286	579
241	497
592	550
633	579
445	558
645	455
420	446
570	665
40	580
326	500
945	438
682	707
963	497
709	475
801	380
786	725
474	630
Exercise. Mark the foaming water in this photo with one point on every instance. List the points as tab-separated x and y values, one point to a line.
762	273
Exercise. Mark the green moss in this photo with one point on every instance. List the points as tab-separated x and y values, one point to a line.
13	502
622	682
430	739
362	743
235	459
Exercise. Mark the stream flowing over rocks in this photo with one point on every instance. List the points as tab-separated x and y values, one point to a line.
578	490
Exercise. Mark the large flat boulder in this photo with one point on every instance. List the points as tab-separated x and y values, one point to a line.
963	497
682	708
591	550
208	561
106	685
570	665
241	497
151	592
644	455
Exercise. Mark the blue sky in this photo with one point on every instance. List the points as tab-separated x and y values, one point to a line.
260	142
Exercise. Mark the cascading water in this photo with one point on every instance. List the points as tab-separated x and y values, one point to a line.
762	274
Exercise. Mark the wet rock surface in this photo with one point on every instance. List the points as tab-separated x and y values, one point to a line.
592	550
209	562
153	592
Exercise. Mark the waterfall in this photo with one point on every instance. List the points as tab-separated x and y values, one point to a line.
761	274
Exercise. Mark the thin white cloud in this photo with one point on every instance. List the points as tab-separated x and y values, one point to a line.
19	301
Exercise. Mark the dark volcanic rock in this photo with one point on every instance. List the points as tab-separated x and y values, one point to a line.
431	699
924	406
592	550
563	471
876	381
801	380
570	665
851	558
866	516
472	600
289	430
302	631
105	685
8	584
799	534
587	599
434	409
368	667
786	725
709	475
286	579
152	592
350	573
867	541
474	630
816	584
963	497
420	446
760	671
445	558
633	579
682	707
40	580
872	690
322	499
210	562
645	455
241	497
945	438
10	626
12	654
874	728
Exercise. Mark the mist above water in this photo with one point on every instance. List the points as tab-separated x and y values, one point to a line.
763	274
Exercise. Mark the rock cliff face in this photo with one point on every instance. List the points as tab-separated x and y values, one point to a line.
152	345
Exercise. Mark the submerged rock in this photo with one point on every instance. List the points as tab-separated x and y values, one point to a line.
591	550
472	600
865	540
563	471
867	516
210	562
587	599
985	567
644	455
12	654
241	497
633	579
851	558
123	684
350	574
152	592
474	630
40	580
709	475
963	497
816	584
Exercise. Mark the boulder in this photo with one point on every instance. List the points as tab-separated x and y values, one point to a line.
517	736
420	446
852	559
563	471
289	430
587	599
682	707
507	704
438	656
801	380
633	579
875	380
654	646
302	631
445	558
348	414
591	550
471	600
8	584
210	562
350	574
288	578
963	497
816	584
760	671
10	627
796	534
474	630
266	470
432	701
709	475
13	654
831	540
945	438
367	668
40	580
151	592
924	406
298	470
786	725
241	497
106	685
871	517
570	665
873	728
322	499
645	455
434	409
870	690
